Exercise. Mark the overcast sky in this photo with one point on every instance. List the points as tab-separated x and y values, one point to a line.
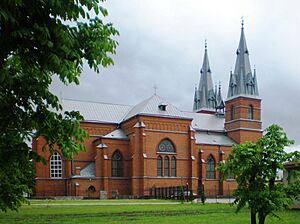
161	43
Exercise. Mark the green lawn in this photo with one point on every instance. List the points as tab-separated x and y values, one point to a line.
91	212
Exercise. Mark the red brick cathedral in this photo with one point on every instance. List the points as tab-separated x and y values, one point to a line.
152	148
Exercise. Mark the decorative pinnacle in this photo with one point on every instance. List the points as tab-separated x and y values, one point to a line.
219	84
205	44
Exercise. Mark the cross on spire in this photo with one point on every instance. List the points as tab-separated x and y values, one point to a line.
155	89
242	18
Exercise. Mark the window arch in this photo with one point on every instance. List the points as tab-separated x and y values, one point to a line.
166	146
210	168
159	166
117	166
250	112
173	166
55	166
91	189
166	166
232	112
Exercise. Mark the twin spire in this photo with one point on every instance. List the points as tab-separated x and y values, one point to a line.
242	81
207	99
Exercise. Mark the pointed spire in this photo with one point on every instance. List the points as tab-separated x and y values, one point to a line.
205	94
242	81
219	100
195	99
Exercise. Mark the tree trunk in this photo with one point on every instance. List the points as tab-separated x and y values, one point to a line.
262	219
253	216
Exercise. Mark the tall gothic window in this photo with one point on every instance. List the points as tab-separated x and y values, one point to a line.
250	112
210	167
166	166
166	146
173	166
55	166
116	166
159	166
232	112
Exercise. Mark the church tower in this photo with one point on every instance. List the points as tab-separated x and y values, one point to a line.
243	105
205	99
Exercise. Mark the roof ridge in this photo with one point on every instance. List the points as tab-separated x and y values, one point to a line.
90	101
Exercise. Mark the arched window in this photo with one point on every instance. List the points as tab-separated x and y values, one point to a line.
173	166
116	166
159	166
91	189
210	167
232	112
250	112
166	165
55	166
166	146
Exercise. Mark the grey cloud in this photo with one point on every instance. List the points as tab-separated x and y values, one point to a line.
162	43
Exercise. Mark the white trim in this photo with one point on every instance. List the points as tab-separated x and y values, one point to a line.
166	131
243	119
245	129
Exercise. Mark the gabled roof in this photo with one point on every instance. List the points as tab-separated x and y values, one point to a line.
97	112
116	113
213	139
150	106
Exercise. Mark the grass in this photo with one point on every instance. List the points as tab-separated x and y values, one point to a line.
115	212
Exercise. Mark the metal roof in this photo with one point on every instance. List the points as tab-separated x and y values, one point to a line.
116	113
88	171
213	139
100	112
151	105
203	121
116	134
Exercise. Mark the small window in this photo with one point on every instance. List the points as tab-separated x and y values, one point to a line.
162	106
159	166
173	167
210	168
166	165
232	112
250	112
91	189
117	168
55	166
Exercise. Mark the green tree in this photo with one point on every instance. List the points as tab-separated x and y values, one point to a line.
191	196
255	166
202	194
181	194
40	39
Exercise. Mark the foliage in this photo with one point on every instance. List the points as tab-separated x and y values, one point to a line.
254	166
191	196
181	194
38	40
202	194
